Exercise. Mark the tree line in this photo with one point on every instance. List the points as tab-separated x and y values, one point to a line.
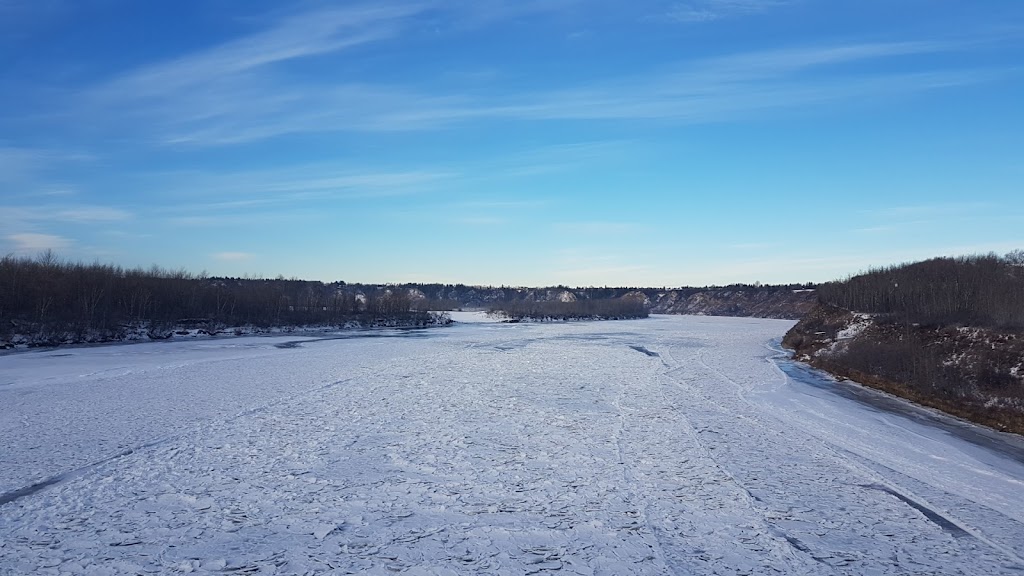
986	291
482	296
46	294
611	308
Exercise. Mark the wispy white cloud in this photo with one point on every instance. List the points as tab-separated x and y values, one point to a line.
20	165
476	13
55	192
28	175
200	198
710	10
922	211
30	242
264	219
755	246
245	91
17	162
233	256
231	84
598	228
480	220
502	204
563	156
19	16
782	61
700	99
241	107
908	219
41	215
234	92
876	229
302	35
544	160
601	275
583	265
92	214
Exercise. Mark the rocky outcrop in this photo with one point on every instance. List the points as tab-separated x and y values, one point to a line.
975	373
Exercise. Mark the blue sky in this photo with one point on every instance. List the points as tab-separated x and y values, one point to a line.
512	142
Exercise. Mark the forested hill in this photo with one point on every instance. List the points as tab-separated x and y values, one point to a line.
982	291
946	332
45	301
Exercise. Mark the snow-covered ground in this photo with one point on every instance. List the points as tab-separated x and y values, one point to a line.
672	445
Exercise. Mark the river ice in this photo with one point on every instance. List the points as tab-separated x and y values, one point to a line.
671	445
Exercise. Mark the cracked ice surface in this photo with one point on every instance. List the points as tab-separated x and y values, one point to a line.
673	445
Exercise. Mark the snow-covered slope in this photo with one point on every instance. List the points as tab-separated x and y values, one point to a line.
673	445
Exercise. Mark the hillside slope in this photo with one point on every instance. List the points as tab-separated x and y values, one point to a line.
932	332
786	304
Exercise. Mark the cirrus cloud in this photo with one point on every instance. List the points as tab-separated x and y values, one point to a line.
27	242
233	256
710	10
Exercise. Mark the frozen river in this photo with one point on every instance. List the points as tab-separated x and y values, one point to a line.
672	445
